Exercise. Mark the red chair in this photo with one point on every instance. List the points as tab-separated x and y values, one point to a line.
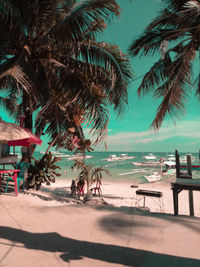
97	189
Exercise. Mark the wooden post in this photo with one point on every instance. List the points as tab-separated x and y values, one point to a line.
175	198
144	201
177	164
191	205
190	192
189	166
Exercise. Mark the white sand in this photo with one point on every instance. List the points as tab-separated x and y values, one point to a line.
48	228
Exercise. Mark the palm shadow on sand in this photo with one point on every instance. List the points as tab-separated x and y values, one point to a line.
72	249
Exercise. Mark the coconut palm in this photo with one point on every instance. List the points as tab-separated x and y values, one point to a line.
89	173
175	33
51	63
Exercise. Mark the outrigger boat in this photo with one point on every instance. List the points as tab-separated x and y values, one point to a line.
155	176
125	156
79	157
150	156
119	158
148	163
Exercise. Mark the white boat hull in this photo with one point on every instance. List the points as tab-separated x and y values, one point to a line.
79	157
153	177
148	164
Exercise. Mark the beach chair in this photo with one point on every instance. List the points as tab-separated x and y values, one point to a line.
23	167
97	189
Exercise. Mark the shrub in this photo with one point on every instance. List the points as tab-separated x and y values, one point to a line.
42	171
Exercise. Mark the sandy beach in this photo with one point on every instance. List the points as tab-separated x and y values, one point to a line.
48	227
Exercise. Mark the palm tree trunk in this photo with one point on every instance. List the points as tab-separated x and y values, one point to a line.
52	143
38	133
28	121
88	186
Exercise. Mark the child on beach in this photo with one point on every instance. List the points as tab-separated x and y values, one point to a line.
23	166
73	188
77	188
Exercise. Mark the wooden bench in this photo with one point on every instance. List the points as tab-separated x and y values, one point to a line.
142	194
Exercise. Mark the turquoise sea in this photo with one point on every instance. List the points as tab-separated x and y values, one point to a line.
121	170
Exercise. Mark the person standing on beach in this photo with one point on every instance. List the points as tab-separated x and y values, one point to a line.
26	152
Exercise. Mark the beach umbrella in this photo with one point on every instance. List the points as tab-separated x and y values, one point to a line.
16	135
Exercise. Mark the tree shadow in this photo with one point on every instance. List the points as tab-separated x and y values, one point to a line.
59	194
108	222
72	249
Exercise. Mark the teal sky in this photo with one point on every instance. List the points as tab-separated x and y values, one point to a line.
131	133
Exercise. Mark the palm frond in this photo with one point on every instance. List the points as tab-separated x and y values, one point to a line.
83	16
166	19
96	27
176	90
149	42
197	86
90	101
46	15
11	29
19	69
77	94
176	5
157	74
193	4
94	73
113	61
9	103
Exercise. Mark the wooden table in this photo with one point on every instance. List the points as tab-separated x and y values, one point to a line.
149	193
188	184
13	174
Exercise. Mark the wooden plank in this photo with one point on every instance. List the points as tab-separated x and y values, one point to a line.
149	193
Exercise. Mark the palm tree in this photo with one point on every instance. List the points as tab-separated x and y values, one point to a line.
52	64
89	173
175	32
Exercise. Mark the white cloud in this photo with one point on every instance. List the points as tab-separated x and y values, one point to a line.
158	141
144	141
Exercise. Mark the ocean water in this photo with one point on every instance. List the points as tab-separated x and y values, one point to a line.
120	171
